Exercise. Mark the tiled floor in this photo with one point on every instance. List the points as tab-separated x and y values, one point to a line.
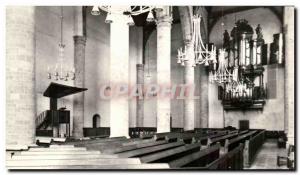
267	156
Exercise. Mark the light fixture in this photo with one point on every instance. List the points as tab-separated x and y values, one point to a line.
59	72
202	54
126	10
150	17
95	11
222	74
130	21
108	18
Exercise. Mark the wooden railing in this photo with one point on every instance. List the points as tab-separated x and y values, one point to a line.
252	146
40	119
51	118
96	132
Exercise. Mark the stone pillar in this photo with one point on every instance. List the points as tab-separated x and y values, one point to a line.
288	21
140	101
189	76
119	75
78	102
203	97
20	75
163	23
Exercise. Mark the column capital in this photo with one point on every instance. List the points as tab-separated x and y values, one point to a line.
79	39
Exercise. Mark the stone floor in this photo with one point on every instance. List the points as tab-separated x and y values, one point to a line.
267	156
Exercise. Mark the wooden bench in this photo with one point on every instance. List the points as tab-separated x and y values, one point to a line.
162	136
113	150
148	150
189	137
252	146
204	139
170	154
199	158
95	167
101	161
103	140
233	132
243	132
234	142
221	139
232	160
185	137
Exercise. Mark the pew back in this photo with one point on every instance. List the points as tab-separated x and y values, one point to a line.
252	146
233	160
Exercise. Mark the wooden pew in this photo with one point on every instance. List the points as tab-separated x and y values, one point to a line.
113	150
162	136
243	132
221	139
199	158
190	137
170	154
252	146
204	139
233	160
101	161
95	167
103	140
185	137
233	132
148	150
234	142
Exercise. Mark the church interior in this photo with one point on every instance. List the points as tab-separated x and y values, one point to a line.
150	87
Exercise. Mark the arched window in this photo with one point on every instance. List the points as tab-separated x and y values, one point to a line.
96	121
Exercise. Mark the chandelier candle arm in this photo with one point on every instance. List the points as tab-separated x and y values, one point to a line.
200	53
126	10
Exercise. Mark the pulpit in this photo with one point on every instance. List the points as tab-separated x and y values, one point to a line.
54	117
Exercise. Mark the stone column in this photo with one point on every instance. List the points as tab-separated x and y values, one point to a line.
204	84
288	21
78	102
20	75
139	101
163	23
119	75
189	76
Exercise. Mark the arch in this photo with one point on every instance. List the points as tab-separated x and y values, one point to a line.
96	121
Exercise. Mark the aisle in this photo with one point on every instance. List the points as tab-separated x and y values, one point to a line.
267	156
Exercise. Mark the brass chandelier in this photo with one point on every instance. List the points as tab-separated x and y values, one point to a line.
60	72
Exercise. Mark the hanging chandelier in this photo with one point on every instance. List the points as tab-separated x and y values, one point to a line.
60	72
201	53
126	10
223	74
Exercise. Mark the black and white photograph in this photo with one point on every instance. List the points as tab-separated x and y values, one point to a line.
150	87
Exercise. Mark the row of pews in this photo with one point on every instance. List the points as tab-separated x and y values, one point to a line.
212	149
